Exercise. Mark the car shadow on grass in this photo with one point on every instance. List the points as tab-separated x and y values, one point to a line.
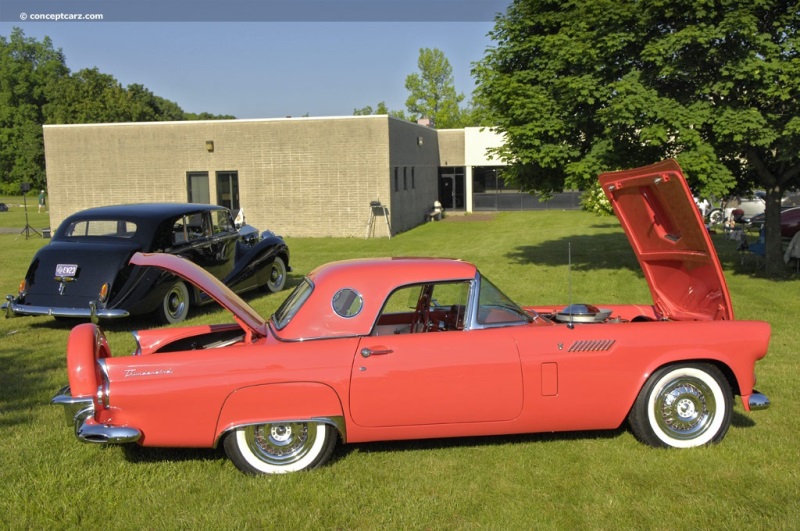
584	252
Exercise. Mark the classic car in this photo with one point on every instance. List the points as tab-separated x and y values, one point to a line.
790	221
84	271
411	348
738	208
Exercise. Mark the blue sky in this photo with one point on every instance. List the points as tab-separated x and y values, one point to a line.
267	69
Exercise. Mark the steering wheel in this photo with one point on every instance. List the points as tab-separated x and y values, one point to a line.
421	320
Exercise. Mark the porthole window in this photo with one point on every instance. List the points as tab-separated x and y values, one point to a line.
347	303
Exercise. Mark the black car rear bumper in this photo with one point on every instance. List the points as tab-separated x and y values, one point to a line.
11	309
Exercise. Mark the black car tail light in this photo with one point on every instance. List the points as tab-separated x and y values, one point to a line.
104	290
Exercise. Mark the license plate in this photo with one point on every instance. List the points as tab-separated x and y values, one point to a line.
66	270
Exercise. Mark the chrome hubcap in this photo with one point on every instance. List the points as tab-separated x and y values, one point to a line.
175	303
685	408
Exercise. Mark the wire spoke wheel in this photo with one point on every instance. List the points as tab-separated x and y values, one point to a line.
280	447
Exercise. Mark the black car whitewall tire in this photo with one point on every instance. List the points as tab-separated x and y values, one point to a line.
175	305
277	275
683	406
280	447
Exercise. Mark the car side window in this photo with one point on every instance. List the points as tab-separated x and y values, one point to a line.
424	308
190	228
222	222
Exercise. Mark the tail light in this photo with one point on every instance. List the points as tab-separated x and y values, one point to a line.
104	292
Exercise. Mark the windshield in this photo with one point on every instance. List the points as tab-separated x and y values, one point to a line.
292	304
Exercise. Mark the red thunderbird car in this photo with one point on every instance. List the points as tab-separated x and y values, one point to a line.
409	348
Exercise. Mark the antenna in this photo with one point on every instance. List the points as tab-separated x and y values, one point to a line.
569	281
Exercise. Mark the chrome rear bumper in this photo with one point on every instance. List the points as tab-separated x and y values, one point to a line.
11	309
80	414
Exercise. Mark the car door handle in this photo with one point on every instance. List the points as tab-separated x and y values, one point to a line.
379	351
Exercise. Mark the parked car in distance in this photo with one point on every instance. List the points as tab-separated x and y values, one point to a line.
3	207
746	206
790	221
84	271
412	348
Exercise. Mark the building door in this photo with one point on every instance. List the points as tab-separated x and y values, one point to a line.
228	190
197	187
451	187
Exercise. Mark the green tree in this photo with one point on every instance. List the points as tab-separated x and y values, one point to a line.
381	110
208	116
28	72
581	87
432	92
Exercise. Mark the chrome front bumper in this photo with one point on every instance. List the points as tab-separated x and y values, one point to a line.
757	401
11	309
80	414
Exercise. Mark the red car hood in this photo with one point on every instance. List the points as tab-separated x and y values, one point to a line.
247	317
656	209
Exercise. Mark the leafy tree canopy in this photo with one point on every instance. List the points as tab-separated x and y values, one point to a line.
432	92
581	87
381	109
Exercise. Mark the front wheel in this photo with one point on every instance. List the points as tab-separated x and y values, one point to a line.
683	406
175	305
280	447
277	276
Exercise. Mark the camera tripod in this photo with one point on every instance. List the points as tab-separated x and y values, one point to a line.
28	229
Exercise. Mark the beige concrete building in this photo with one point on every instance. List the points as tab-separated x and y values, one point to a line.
353	176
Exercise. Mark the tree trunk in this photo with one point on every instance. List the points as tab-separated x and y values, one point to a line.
774	245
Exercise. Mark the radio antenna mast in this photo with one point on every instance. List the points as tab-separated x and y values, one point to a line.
569	282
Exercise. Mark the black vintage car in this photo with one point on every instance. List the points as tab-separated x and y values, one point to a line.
84	270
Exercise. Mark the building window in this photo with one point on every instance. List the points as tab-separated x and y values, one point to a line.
396	179
228	189
197	187
413	179
405	178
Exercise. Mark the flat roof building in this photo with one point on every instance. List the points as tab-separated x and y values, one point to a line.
360	176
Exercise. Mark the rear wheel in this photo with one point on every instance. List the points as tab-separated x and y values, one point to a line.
280	447
683	406
715	217
175	305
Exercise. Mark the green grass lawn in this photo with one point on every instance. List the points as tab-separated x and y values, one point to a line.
591	480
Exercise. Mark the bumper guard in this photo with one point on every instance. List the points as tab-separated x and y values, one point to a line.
79	413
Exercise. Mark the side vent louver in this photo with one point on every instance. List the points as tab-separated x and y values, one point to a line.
592	345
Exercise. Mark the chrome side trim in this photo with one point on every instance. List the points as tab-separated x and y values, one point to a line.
758	402
337	422
85	313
